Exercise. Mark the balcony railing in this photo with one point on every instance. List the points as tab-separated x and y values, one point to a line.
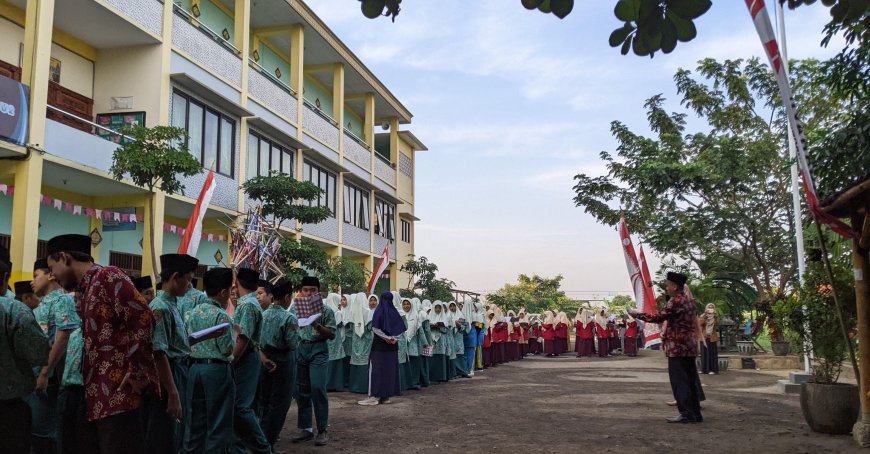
357	151
78	145
206	46
322	126
384	170
272	92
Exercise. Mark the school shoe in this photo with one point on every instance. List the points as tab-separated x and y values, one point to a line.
369	401
672	403
303	436
322	439
681	419
383	401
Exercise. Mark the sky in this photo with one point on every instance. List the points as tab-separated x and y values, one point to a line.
512	104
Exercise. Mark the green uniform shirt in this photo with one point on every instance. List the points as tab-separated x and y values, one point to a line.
57	311
280	329
191	299
204	316
23	346
170	335
249	317
72	372
307	333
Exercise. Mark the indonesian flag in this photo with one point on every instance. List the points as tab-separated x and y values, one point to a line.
651	332
634	273
763	26
382	266
193	232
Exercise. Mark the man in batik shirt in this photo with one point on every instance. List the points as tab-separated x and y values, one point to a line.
681	348
118	326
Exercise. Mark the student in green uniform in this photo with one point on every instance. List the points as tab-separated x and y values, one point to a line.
23	346
347	334
312	369
210	391
279	341
163	413
336	346
361	310
191	299
75	435
56	315
248	317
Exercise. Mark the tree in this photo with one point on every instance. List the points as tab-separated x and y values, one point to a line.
344	275
430	286
154	158
301	258
534	293
619	303
284	198
717	198
420	268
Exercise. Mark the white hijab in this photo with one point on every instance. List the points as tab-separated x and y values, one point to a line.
333	300
360	314
438	318
601	320
550	318
479	314
455	314
412	318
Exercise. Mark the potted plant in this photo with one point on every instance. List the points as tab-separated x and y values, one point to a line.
828	406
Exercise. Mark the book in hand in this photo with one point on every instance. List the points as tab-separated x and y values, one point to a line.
205	332
307	308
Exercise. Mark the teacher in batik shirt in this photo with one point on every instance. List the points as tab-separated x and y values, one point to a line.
117	328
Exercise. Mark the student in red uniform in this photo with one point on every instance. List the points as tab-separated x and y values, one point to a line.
613	338
495	328
534	333
549	333
487	340
631	331
500	336
513	340
525	348
583	330
561	333
602	334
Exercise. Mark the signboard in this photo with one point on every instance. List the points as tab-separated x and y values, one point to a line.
116	121
112	225
13	111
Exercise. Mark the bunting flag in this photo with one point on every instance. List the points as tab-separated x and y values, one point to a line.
193	233
651	332
764	27
379	270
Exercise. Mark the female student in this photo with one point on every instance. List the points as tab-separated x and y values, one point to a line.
458	324
424	341
439	327
561	333
335	382
409	345
631	331
487	339
584	331
549	333
361	317
512	343
387	327
602	334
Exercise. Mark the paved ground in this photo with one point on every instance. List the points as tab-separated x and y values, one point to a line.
570	405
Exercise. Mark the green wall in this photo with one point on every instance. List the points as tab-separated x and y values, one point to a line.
270	60
356	124
313	92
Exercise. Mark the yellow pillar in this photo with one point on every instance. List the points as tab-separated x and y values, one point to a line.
369	121
297	70
338	103
151	266
242	41
165	63
243	160
39	18
394	139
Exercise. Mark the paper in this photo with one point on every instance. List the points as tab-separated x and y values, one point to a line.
309	320
205	332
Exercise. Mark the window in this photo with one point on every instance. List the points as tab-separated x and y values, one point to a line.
385	219
356	206
406	231
211	135
265	155
325	181
131	264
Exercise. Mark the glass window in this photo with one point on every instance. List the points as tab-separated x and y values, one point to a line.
287	163
225	159
253	155
210	140
386	219
324	180
211	135
194	130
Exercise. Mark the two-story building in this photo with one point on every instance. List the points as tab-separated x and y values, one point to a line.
258	85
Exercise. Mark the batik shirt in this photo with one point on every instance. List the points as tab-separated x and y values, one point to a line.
170	335
682	340
280	329
249	317
118	331
72	371
23	346
57	312
191	299
206	315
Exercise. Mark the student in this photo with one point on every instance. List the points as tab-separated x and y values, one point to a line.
631	332
312	368
361	344
387	326
613	341
459	325
409	345
708	329
499	336
561	333
75	434
118	333
248	317
23	347
336	346
479	322
163	431
534	334
424	341
523	324
146	287
347	335
439	327
210	394
549	333
279	341
488	360
24	293
602	334
584	330
469	338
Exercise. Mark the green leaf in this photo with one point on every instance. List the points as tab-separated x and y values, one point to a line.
639	46
669	37
620	34
684	28
626	46
545	7
373	8
562	8
627	10
689	9
531	4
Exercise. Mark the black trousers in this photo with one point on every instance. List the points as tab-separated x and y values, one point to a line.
685	384
76	435
709	357
16	422
122	433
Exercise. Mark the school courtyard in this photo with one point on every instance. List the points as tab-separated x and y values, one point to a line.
569	405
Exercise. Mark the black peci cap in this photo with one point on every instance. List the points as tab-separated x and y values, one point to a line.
143	283
677	278
218	278
179	263
69	243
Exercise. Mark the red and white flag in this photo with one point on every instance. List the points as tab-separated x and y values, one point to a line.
193	232
764	27
379	270
651	332
637	284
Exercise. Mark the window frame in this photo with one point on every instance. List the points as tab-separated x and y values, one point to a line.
219	165
284	153
356	206
328	200
406	231
386	214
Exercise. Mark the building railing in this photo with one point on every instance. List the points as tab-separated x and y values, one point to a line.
356	138
272	77
110	131
320	112
205	29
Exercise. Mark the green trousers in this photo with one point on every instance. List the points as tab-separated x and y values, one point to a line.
312	373
208	410
249	434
